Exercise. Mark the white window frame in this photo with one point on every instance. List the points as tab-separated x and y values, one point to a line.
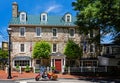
44	14
20	32
56	32
56	48
20	48
66	17
23	20
22	66
73	32
40	32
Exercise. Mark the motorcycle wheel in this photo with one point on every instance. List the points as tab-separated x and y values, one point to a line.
37	79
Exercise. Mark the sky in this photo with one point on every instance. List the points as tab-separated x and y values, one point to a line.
34	7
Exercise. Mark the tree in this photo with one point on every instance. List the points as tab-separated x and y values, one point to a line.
3	57
42	49
72	51
99	14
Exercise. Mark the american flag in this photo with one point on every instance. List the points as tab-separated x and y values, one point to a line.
84	46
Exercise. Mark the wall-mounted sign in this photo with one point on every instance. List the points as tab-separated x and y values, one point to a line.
5	46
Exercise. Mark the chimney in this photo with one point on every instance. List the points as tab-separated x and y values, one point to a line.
14	9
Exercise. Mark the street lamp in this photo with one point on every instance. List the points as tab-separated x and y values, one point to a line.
9	30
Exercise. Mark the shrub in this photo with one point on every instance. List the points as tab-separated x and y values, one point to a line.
27	69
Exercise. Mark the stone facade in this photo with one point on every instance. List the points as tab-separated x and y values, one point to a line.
30	22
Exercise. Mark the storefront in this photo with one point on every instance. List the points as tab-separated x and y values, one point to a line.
22	61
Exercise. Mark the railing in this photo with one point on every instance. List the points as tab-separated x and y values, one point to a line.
87	69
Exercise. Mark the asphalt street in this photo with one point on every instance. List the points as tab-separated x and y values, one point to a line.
61	81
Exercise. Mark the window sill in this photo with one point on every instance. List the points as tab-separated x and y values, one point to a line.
22	52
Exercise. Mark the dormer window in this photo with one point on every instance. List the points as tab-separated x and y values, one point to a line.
68	18
22	17
44	17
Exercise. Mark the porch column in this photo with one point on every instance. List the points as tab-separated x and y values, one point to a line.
51	62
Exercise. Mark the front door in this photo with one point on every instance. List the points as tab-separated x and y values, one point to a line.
58	64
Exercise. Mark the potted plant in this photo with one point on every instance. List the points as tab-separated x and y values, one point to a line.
27	68
53	69
17	68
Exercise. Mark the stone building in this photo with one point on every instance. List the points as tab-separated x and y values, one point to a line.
28	29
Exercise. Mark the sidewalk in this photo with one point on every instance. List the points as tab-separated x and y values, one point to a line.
23	75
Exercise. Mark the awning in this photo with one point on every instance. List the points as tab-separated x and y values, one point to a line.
22	58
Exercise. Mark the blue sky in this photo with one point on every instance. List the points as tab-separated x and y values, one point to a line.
53	7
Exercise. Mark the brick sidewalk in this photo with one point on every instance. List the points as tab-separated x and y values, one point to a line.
23	75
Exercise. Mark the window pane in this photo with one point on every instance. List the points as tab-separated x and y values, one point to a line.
22	47
22	31
23	16
38	31
91	48
68	18
54	47
54	32
22	62
44	18
71	32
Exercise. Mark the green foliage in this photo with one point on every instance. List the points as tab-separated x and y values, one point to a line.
3	54
72	50
17	67
27	68
42	49
98	14
53	68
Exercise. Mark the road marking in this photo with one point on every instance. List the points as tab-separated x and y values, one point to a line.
23	82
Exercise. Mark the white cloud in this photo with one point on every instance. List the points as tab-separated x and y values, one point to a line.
49	7
53	8
0	44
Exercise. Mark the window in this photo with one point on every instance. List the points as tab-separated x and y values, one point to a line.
22	17
72	32
22	47
54	47
22	31
44	17
107	50
21	62
68	17
54	30
92	48
91	34
38	31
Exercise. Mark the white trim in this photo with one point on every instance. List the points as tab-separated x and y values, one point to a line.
23	20
56	32
66	16
56	47
22	66
20	48
20	32
73	32
43	14
40	32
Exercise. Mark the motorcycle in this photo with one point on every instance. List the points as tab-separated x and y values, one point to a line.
46	76
43	75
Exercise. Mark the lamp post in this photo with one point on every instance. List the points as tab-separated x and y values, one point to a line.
9	30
